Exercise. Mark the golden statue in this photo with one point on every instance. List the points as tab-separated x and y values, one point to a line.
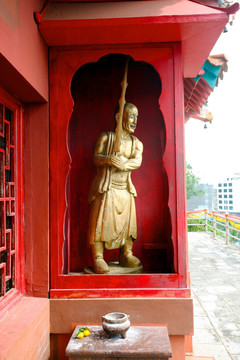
112	220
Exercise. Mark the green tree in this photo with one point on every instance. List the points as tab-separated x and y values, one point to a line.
191	183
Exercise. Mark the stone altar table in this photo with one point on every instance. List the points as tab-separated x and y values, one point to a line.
141	342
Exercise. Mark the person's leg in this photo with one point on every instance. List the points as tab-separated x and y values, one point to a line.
99	265
126	258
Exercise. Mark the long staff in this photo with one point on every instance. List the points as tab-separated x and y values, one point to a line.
122	101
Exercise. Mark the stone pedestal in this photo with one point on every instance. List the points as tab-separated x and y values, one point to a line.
141	342
116	269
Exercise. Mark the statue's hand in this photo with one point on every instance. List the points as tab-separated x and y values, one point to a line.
117	162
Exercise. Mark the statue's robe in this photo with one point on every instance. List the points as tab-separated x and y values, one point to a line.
112	214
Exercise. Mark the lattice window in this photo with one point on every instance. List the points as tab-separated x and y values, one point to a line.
7	200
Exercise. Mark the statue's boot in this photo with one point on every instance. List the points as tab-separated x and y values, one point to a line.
99	265
126	257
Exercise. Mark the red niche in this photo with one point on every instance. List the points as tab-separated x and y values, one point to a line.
95	90
85	87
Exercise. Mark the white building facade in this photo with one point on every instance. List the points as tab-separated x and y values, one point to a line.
228	196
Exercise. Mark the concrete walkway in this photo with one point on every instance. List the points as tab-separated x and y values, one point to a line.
215	280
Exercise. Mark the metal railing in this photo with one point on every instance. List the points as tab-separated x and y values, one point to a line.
224	225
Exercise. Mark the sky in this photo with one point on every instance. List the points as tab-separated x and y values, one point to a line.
214	153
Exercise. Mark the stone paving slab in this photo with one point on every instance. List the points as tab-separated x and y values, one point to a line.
215	281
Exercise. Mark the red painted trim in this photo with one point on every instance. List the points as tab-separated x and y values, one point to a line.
180	166
232	9
134	281
119	293
148	20
55	252
20	203
149	29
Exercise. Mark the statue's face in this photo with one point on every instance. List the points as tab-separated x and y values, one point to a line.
130	115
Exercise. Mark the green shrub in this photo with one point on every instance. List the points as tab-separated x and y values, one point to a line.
196	228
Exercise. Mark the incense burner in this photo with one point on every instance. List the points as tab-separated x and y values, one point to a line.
116	323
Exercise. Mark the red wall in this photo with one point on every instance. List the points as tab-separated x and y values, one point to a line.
24	53
36	204
24	74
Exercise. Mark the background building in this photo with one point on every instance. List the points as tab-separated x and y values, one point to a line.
228	195
202	202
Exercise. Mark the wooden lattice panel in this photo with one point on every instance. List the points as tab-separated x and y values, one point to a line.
7	200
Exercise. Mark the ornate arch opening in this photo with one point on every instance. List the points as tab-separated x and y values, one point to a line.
95	89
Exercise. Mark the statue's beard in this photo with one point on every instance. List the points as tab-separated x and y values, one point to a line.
130	128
